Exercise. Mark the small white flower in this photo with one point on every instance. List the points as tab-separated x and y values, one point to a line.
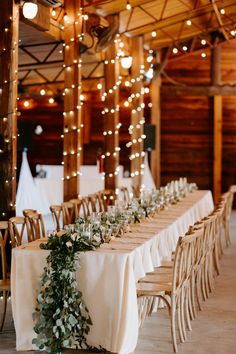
74	236
68	244
96	238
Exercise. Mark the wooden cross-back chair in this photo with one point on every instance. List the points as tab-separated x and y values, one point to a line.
125	194
175	286
18	227
80	208
5	285
68	213
56	211
96	203
35	224
227	199
107	197
88	203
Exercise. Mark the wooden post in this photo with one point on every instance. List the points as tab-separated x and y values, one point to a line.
111	118
137	154
9	32
156	119
217	123
72	105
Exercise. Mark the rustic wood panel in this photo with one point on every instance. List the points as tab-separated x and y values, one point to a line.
229	142
192	70
186	140
46	148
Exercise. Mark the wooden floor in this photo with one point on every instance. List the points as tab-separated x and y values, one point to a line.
214	330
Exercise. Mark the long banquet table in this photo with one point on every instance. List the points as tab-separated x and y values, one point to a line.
107	277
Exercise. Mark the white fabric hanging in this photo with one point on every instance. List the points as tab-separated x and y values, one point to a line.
28	196
148	181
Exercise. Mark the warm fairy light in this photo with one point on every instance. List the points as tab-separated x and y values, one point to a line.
51	100
66	17
175	50
222	11
42	92
26	104
126	62
233	33
126	103
154	34
150	58
127	83
203	55
185	48
189	22
54	13
128	6
85	17
99	86
82	97
203	42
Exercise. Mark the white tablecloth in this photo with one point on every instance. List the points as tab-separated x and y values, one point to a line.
107	277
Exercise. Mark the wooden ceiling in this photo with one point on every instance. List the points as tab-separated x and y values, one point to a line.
175	23
169	19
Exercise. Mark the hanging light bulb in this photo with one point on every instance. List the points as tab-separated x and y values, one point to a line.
30	9
126	62
128	6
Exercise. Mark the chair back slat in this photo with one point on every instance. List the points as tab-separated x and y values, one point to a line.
3	241
56	211
18	227
67	213
35	222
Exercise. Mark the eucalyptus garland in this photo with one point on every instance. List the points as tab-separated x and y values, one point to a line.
61	316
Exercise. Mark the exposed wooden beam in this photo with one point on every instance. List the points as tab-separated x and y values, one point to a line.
173	19
42	20
72	104
219	19
9	36
137	115
217	146
111	119
216	102
200	90
156	119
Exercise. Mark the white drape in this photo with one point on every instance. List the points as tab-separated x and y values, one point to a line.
148	181
27	196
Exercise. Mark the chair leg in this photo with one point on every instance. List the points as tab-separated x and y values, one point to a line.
182	319
192	307
206	276
216	257
194	294
198	289
5	293
228	238
210	273
173	329
187	306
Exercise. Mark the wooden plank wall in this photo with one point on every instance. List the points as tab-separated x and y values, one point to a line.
187	125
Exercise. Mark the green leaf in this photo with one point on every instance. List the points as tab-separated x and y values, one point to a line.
59	322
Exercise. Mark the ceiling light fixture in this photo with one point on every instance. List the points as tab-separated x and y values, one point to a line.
30	9
154	34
